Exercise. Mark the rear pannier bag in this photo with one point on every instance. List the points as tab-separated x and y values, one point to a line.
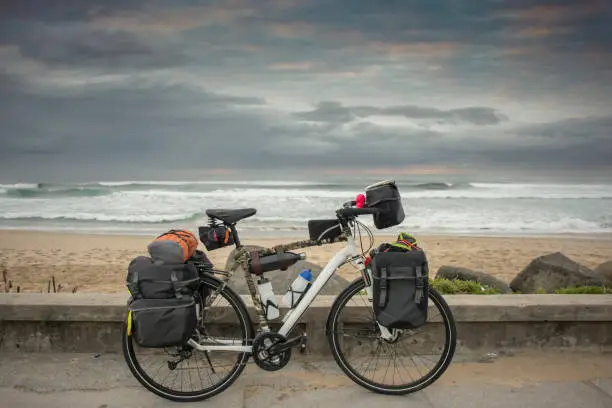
216	236
174	246
400	288
157	323
149	280
385	196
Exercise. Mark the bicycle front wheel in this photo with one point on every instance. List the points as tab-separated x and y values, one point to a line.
184	374
411	361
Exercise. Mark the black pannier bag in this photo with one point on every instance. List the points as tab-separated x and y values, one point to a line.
385	196
400	287
215	236
327	229
149	280
158	323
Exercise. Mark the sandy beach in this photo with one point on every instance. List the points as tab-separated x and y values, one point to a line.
97	263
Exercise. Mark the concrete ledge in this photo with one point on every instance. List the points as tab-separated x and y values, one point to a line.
92	322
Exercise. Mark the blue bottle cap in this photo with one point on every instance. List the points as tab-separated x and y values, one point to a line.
306	274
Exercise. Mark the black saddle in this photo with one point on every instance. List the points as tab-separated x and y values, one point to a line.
231	216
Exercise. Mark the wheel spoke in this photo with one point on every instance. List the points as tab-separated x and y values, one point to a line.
349	344
175	373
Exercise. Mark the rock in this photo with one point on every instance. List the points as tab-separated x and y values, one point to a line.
554	271
454	272
605	270
282	279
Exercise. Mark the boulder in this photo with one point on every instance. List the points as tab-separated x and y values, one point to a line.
554	271
605	270
455	272
282	279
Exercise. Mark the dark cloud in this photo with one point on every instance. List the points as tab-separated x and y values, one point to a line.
571	144
78	45
120	85
330	111
572	130
128	119
82	46
62	11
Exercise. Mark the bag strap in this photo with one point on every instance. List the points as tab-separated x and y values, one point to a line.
382	299
177	288
418	294
256	264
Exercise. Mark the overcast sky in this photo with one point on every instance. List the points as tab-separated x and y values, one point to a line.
150	89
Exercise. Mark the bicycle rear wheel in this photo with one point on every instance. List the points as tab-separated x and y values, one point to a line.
184	374
356	344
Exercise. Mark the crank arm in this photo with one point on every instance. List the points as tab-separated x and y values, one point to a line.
279	348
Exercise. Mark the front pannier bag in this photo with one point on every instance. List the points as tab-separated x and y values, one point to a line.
157	323
400	287
385	196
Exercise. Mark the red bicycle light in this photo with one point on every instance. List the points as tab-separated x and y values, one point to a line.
360	201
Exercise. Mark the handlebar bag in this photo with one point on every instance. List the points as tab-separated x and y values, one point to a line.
400	287
385	196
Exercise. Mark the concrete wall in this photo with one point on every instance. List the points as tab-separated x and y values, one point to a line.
92	322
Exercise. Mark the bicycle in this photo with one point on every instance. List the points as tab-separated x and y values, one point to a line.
271	349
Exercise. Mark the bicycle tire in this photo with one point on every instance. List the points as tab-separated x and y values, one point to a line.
145	380
439	369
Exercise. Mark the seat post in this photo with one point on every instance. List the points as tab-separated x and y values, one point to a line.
235	234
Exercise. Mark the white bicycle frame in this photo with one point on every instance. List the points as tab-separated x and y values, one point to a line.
347	253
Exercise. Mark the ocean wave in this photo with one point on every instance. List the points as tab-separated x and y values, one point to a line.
101	217
55	192
353	185
303	194
246	193
286	206
304	190
209	182
440	186
551	225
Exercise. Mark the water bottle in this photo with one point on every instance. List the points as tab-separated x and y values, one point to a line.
297	288
268	300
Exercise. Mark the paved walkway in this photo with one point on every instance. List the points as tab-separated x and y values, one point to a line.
552	379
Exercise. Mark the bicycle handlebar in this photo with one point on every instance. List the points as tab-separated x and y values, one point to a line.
353	212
